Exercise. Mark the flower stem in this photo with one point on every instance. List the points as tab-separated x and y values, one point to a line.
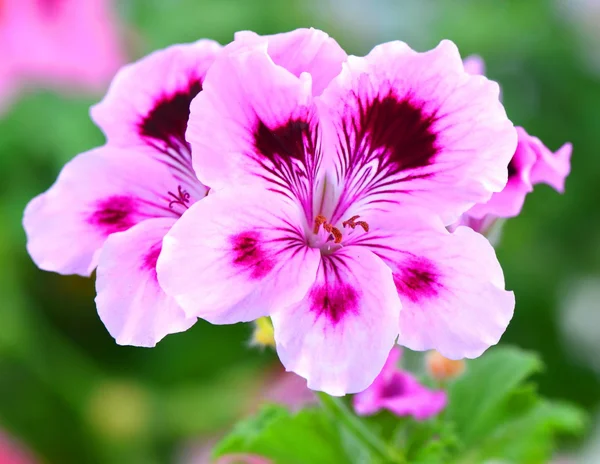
344	417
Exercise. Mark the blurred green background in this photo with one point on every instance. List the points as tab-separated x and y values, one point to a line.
69	393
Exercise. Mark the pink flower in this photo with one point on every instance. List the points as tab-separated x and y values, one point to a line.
69	42
326	203
399	392
532	163
111	207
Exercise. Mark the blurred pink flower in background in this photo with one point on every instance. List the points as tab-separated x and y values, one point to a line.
533	163
399	392
12	452
67	43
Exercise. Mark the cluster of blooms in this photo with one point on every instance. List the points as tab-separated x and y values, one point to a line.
64	42
278	176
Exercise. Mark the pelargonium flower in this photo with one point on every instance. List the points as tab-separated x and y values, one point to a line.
326	209
69	42
399	392
532	163
111	206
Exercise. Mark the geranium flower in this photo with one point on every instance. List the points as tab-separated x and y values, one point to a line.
326	210
532	163
65	42
399	392
112	206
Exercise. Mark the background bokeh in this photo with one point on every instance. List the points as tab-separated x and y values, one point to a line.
71	395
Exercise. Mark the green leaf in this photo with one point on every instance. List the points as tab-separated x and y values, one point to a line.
478	400
307	437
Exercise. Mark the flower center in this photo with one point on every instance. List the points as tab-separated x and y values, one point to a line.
334	234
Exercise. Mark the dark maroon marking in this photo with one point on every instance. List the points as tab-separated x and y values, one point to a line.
285	141
151	258
182	197
401	129
168	120
249	255
334	300
512	168
418	279
114	214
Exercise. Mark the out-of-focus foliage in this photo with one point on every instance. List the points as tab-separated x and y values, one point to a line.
492	414
73	396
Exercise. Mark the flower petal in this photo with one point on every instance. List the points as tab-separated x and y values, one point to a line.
100	192
451	285
509	202
304	50
550	168
340	335
130	302
148	101
236	256
474	64
255	125
415	128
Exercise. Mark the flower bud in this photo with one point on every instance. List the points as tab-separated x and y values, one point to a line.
441	368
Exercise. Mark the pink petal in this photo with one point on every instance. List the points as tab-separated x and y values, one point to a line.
304	50
339	336
551	168
509	202
474	64
68	42
399	392
236	256
255	125
100	192
148	101
415	128
451	285
133	307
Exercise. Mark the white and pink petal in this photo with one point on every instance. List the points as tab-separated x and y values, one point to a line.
98	193
236	256
414	128
131	303
451	284
339	337
255	125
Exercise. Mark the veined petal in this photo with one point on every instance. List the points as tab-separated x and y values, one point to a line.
451	285
130	302
98	193
415	128
148	101
236	256
255	125
303	50
340	335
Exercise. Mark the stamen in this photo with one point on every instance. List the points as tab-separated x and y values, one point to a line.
353	223
350	222
319	221
181	198
337	235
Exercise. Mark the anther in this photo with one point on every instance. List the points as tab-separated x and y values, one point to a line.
337	235
350	222
353	223
319	221
181	198
364	225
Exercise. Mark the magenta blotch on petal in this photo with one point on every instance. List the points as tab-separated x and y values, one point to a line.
400	392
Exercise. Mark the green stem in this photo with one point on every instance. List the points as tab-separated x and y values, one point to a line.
342	414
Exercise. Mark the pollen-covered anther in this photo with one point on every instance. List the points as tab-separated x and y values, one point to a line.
353	223
319	221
